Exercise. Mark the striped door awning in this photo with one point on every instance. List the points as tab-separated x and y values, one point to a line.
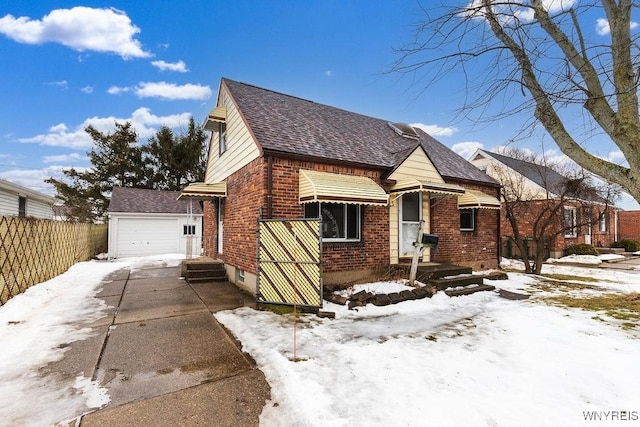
202	191
416	185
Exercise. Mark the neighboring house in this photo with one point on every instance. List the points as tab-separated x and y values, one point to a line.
16	200
281	157
152	222
539	186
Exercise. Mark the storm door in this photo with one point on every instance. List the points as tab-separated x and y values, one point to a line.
410	216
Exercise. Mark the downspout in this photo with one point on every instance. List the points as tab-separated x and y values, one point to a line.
269	186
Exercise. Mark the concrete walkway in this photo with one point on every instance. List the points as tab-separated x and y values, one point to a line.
164	358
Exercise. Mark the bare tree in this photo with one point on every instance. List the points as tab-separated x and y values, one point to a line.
578	80
538	213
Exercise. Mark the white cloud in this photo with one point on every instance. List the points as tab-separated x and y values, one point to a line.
117	90
179	67
65	158
616	156
328	73
145	124
60	83
510	11
435	130
87	89
34	178
602	26
172	91
80	28
466	149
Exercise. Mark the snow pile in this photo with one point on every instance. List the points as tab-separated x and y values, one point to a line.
611	257
576	259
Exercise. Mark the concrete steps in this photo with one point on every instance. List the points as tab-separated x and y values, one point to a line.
455	286
204	270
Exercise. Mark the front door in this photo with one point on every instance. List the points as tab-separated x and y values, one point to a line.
410	216
220	223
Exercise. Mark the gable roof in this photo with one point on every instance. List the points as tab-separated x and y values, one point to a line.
19	190
139	200
541	175
287	125
546	178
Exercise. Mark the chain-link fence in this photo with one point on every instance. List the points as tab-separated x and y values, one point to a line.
35	250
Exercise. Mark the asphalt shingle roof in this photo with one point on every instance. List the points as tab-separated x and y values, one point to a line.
544	176
290	125
139	200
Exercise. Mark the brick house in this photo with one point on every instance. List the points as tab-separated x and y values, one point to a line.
541	187
277	156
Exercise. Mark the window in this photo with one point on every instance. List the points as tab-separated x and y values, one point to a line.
570	221
604	222
467	219
240	275
189	230
222	136
340	221
22	207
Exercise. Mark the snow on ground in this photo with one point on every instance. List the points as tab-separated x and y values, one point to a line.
474	360
467	361
35	330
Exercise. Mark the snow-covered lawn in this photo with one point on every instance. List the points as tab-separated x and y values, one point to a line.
466	361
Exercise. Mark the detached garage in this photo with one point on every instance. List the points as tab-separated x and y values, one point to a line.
151	222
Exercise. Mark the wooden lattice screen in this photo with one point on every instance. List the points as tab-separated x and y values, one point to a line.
35	250
289	262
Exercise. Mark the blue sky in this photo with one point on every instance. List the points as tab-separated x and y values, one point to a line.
65	65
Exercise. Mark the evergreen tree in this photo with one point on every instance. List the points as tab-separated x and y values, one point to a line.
116	161
174	161
167	162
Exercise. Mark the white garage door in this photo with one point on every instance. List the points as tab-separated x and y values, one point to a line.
147	236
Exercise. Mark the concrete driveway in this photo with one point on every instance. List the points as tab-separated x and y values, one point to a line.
164	358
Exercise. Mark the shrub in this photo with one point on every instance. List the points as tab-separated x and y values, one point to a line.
581	249
629	245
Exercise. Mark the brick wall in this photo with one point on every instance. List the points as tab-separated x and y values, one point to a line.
478	248
629	225
530	212
371	252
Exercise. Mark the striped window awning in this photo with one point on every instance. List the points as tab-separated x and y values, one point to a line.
415	185
202	191
473	199
215	116
336	188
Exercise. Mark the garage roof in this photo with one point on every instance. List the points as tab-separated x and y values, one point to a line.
139	200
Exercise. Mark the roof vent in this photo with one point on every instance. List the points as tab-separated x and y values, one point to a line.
404	130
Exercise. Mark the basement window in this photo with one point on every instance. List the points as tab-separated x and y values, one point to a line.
240	275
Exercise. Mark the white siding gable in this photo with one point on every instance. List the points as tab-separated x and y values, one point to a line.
241	147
